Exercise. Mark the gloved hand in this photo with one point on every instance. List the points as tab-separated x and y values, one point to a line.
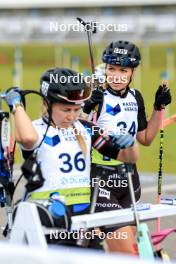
96	98
122	141
162	98
13	98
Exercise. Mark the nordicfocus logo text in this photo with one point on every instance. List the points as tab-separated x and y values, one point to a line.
75	235
92	79
55	26
110	183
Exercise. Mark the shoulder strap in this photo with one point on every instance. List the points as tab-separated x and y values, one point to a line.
132	91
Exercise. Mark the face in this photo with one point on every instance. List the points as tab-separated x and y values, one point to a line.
118	77
64	115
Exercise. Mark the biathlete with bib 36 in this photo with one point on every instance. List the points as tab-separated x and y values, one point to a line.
64	142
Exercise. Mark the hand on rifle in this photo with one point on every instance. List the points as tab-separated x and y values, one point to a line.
13	98
96	99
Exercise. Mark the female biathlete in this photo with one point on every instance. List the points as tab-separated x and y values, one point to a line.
120	107
65	152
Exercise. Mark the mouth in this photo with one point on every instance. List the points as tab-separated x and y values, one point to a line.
117	81
67	123
64	124
115	84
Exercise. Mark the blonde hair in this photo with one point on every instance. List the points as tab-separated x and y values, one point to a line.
105	84
44	108
81	141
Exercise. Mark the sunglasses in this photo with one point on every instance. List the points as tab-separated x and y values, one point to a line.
77	96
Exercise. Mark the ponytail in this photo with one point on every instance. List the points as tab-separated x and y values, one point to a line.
81	141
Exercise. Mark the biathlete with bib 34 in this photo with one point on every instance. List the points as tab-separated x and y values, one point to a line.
117	106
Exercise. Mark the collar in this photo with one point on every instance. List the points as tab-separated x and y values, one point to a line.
117	93
45	119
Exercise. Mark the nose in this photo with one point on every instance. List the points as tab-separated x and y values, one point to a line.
119	78
71	116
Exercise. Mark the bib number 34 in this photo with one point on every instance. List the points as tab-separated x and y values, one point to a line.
132	129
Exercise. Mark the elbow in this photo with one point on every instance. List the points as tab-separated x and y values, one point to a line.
147	143
28	141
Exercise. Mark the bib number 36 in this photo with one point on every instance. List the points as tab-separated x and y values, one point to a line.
69	162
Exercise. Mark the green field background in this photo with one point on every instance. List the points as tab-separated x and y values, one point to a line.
39	57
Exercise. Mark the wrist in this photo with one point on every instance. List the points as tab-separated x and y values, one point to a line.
157	107
88	107
15	106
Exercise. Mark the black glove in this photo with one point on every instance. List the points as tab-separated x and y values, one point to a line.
162	98
96	98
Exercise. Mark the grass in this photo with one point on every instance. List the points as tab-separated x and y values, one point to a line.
39	57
